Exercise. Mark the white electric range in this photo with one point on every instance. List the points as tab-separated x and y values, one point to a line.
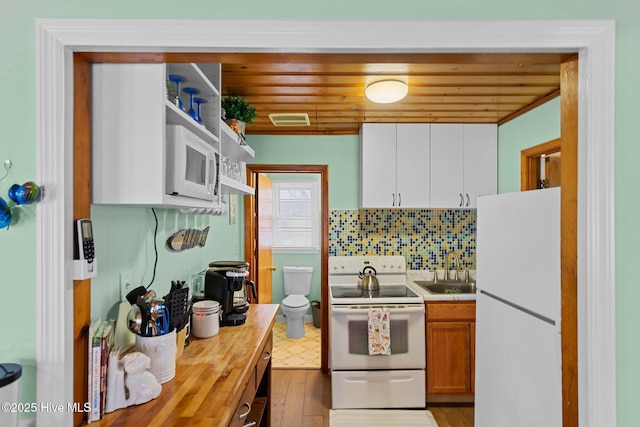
360	380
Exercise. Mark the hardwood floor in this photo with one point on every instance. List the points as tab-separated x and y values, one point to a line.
302	397
452	416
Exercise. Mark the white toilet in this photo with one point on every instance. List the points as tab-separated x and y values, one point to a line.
297	285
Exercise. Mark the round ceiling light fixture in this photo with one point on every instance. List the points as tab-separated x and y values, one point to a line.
386	91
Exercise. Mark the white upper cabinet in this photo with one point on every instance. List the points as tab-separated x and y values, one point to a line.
464	164
394	165
130	111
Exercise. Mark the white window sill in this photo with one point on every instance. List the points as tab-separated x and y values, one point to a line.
287	250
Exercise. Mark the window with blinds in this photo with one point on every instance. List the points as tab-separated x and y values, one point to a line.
296	216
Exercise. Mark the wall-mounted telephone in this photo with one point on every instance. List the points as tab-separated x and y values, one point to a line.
85	265
86	248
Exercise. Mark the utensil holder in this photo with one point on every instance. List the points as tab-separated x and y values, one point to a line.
161	349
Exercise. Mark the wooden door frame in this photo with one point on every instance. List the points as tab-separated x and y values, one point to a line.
530	162
251	234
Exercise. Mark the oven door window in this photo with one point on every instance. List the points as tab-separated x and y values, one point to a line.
359	337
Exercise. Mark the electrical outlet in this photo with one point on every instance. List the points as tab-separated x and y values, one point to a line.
126	285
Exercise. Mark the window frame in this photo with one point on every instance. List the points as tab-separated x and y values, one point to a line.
314	186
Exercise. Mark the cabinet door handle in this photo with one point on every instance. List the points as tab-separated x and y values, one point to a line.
250	424
268	356
467	205
399	199
244	415
393	203
461	200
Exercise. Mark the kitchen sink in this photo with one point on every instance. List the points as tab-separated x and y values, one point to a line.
448	287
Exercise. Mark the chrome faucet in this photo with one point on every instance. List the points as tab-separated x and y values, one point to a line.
456	258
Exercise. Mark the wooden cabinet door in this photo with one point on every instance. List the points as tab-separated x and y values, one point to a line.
412	165
448	358
472	338
446	166
480	162
377	165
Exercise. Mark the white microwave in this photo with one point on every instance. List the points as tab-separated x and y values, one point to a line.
192	165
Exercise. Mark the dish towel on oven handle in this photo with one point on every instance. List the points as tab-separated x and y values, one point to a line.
379	331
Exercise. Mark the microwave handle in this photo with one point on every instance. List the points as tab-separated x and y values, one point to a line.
365	310
212	176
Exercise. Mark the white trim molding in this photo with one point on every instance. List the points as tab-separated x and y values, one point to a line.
594	40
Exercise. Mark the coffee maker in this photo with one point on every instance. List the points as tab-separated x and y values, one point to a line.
222	280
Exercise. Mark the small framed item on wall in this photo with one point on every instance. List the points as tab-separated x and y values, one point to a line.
233	208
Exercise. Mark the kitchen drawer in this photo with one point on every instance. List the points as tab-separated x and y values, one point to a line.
455	311
240	418
265	358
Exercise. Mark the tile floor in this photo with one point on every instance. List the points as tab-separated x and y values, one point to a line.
298	353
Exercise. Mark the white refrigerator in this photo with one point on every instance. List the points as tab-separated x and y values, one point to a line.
518	354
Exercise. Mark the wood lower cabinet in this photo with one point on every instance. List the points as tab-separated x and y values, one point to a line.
253	409
450	348
220	381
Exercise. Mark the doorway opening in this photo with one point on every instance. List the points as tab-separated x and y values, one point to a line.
258	232
594	39
540	166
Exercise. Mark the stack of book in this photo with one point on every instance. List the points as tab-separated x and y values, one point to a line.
101	337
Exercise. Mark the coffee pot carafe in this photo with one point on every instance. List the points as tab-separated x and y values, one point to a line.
222	281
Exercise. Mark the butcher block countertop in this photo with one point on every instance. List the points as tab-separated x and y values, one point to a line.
211	377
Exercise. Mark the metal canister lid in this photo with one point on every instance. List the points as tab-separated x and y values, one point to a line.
9	372
229	264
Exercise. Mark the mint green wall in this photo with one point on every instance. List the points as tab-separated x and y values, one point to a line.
17	134
124	241
537	126
339	152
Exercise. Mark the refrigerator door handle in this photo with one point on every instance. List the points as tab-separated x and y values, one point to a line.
520	308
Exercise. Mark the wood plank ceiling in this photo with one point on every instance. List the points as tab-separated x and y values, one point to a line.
443	88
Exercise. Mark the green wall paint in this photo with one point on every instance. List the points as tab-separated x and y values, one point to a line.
339	152
17	135
537	126
124	241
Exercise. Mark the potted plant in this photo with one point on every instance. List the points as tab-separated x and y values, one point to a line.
238	112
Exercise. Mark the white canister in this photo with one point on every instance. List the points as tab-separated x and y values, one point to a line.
206	319
161	349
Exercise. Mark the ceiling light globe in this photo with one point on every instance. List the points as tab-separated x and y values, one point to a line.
386	91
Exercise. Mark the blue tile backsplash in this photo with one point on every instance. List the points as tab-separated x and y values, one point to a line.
422	236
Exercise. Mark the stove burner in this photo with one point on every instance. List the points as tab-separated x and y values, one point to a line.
385	291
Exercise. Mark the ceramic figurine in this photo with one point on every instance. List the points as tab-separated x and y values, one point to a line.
141	383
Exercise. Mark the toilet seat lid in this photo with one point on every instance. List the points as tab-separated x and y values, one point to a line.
295	301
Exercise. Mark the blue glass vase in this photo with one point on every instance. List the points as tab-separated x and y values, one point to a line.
192	91
5	214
